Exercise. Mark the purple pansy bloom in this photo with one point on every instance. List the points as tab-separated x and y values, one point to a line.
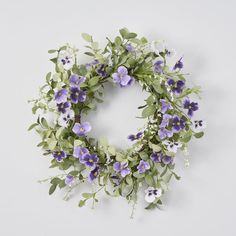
76	81
156	157
62	107
69	180
59	155
179	64
81	129
191	106
176	87
158	67
89	160
178	124
77	95
133	137
65	118
61	96
165	120
102	71
167	159
130	48
165	105
121	77
121	168
143	166
164	133
79	152
93	174
152	194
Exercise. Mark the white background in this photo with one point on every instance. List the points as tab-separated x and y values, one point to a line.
203	202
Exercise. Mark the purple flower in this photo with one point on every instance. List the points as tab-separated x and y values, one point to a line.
102	71
89	160
61	96
163	133
63	107
190	106
69	180
130	48
176	87
179	64
152	194
81	129
133	137
158	67
167	160
77	95
178	124
59	155
165	106
79	152
165	120
156	157
121	77
143	166
94	174
76	81
121	168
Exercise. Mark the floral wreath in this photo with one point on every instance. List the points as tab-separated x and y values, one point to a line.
75	89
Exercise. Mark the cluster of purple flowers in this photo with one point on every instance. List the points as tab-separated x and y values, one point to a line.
89	160
159	157
122	78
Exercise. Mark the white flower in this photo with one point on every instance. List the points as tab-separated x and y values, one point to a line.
172	146
66	58
152	194
65	118
198	125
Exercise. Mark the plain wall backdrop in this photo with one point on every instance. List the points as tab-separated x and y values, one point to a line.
203	201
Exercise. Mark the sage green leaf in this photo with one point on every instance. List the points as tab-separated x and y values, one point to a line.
87	195
154	147
82	203
199	135
93	81
148	111
149	180
123	32
33	126
52	51
130	35
52	189
87	37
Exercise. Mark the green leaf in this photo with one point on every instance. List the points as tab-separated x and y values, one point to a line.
74	172
87	195
154	147
52	188
52	51
87	37
93	81
130	35
199	135
157	86
82	203
89	54
149	180
118	41
148	111
32	126
123	32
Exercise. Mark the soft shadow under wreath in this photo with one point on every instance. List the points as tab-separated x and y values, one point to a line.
75	89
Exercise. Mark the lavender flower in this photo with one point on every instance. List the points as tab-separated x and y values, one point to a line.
156	157
163	133
165	106
143	166
165	120
69	180
179	64
167	159
121	77
178	124
61	96
77	95
133	137
59	155
190	106
158	67
65	118
89	160
152	194
130	48
102	71
172	146
63	107
81	129
79	152
93	174
176	87
121	168
76	81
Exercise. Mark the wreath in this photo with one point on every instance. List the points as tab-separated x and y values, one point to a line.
75	89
